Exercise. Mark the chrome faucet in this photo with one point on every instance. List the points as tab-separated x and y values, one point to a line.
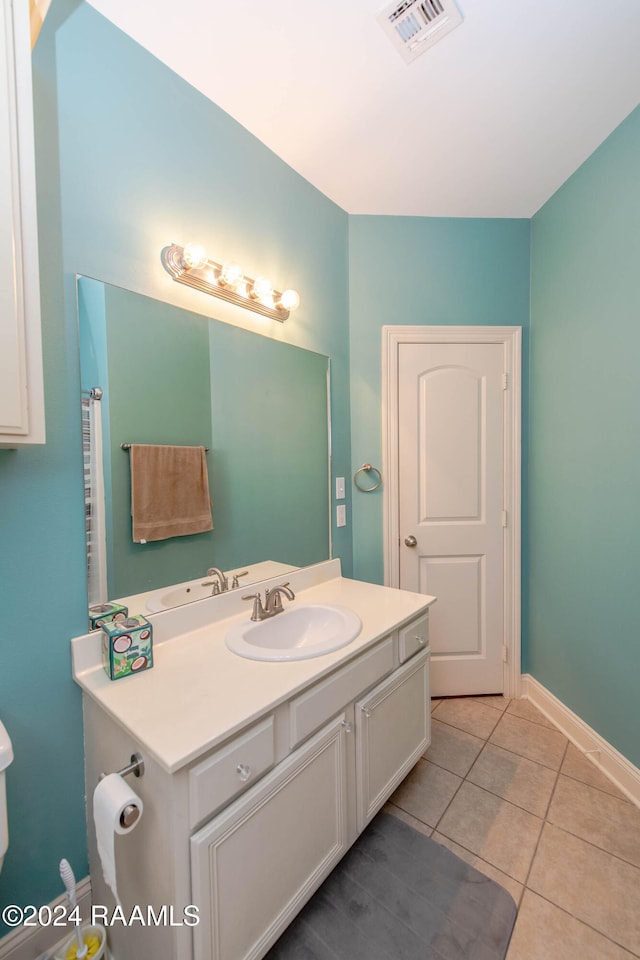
273	598
272	601
220	584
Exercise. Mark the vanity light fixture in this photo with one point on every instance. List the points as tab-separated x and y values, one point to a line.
191	265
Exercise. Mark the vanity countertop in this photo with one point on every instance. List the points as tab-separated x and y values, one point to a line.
199	693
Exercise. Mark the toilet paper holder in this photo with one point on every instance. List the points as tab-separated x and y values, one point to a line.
136	766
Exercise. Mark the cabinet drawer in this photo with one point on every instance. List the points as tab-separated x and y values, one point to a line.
311	709
230	770
414	637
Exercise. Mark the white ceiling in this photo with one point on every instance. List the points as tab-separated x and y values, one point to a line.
489	122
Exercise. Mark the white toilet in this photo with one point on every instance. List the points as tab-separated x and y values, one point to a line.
6	756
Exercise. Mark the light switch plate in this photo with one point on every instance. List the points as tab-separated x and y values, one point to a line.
340	492
341	515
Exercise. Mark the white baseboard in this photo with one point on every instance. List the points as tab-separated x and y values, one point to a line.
28	943
606	758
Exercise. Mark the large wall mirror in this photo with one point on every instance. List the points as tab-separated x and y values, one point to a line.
261	407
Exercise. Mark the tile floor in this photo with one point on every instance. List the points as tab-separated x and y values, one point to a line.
507	792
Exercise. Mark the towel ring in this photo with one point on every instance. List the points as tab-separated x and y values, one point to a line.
366	467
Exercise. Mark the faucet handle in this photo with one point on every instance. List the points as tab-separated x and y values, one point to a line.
234	582
258	610
214	584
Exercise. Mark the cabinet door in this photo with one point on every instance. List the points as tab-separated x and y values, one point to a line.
258	862
393	728
21	386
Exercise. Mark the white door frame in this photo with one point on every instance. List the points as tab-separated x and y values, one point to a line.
511	338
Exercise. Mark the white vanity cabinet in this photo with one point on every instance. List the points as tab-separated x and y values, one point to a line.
21	380
247	828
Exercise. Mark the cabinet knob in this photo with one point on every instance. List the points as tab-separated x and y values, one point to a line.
347	726
366	712
421	641
244	771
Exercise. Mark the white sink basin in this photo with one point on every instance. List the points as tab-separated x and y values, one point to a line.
176	596
301	632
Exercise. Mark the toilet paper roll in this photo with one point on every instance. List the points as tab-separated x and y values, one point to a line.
111	798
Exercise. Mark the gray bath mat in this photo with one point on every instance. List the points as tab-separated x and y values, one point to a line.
397	895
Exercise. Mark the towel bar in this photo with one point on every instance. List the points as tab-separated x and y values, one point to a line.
127	446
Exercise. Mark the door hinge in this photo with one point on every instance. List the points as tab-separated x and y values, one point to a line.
505	381
505	518
505	654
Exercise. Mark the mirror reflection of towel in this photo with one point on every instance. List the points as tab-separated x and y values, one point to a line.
169	491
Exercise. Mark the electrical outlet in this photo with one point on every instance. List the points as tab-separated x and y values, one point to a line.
341	515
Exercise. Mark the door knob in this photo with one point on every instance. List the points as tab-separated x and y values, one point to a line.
410	541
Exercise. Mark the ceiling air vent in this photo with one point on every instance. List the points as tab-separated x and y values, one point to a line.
415	25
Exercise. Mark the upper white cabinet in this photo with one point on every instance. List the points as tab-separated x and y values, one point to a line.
21	382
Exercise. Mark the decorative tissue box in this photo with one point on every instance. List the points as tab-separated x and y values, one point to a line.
101	613
127	646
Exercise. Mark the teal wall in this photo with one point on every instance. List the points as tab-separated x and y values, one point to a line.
43	580
412	270
584	517
270	445
129	158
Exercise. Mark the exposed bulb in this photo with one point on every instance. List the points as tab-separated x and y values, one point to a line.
262	289
195	256
289	300
231	274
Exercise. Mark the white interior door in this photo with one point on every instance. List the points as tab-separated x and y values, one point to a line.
451	504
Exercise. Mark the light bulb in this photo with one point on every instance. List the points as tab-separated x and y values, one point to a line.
231	274
195	256
262	289
289	300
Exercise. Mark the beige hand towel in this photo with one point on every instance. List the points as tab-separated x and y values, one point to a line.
169	491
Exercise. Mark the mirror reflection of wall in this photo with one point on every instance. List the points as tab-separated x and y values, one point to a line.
173	377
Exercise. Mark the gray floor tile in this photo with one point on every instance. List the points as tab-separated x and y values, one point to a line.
418	825
521	781
531	740
582	894
595	816
590	884
426	792
511	885
494	829
526	711
469	715
580	767
452	749
498	702
545	932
